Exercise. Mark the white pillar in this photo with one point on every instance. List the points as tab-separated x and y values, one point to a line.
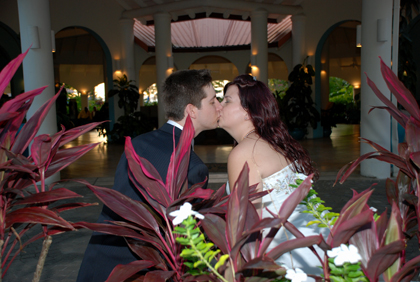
163	51
298	39
127	48
38	68
259	45
375	126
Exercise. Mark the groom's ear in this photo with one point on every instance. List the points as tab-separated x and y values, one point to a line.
191	110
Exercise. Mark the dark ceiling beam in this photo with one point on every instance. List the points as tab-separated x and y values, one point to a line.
204	5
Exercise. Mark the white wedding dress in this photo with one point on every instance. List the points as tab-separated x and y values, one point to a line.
302	258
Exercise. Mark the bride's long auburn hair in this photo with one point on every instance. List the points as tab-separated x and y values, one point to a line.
260	104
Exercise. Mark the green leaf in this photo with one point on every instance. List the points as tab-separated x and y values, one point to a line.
221	261
313	222
337	279
182	241
355	274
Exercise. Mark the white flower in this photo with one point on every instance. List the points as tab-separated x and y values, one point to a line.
373	209
296	275
183	213
344	254
302	176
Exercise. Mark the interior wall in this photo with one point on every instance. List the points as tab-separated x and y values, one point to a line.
82	77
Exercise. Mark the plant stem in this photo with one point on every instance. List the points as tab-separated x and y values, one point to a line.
41	261
202	258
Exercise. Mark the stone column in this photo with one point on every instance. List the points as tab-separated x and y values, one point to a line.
298	39
259	45
375	126
164	61
38	68
127	48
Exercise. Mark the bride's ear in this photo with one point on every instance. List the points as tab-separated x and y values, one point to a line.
246	117
191	110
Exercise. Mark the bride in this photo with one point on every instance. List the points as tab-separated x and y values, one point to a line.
251	116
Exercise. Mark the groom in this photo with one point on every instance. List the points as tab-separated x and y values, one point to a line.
185	92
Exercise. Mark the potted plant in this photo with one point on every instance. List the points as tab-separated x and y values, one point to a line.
132	123
297	108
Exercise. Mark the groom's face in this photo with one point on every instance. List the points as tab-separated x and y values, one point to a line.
208	114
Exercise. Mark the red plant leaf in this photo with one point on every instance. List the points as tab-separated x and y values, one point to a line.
179	164
146	177
415	157
9	70
354	206
343	231
413	264
237	207
158	276
398	114
48	196
250	249
292	244
383	258
159	208
66	157
400	117
391	191
264	262
125	207
70	206
403	95
122	272
290	204
31	127
198	193
146	252
75	132
35	215
368	239
41	149
412	131
215	228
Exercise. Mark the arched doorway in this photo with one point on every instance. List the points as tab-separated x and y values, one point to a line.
10	49
82	61
336	56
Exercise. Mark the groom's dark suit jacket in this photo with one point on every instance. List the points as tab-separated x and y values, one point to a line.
104	252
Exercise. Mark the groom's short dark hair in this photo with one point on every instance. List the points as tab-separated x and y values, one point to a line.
182	88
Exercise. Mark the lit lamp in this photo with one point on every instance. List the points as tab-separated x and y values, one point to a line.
359	36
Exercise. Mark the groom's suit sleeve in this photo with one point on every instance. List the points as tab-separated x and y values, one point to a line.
104	251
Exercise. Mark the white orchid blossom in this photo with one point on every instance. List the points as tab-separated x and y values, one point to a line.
344	254
183	213
296	275
373	209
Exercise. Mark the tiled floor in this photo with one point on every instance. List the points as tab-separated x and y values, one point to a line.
329	154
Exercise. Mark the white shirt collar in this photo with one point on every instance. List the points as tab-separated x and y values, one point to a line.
174	123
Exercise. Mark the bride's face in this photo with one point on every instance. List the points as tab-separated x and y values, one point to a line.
232	113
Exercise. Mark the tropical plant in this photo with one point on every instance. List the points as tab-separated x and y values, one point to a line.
297	108
127	92
26	200
403	193
130	125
